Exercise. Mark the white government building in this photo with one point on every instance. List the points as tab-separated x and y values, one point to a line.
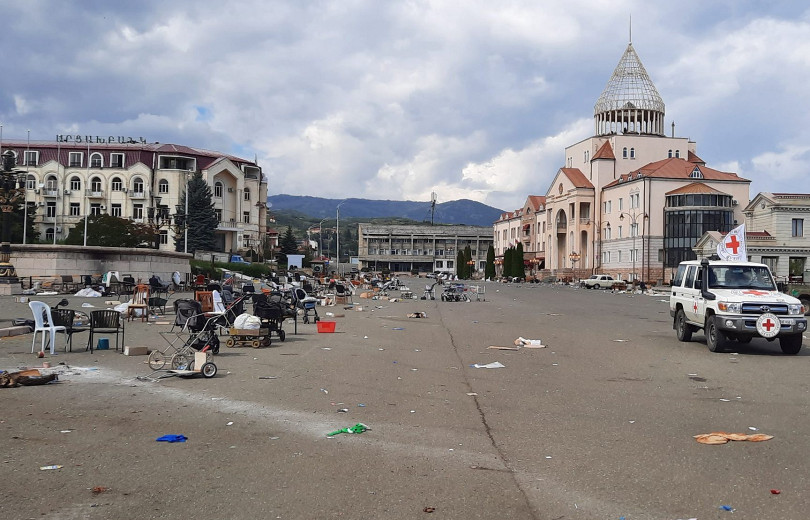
76	176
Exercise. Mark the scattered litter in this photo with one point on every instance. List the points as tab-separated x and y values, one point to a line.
495	364
268	377
417	315
54	466
365	337
501	347
555	364
100	489
330	314
533	342
725	400
86	292
324	390
414	369
413	411
361	405
620	340
723	437
398	328
229	423
753	429
65	431
727	508
343	410
87	305
274	438
631	422
357	428
172	438
775	492
429	509
326	348
471	393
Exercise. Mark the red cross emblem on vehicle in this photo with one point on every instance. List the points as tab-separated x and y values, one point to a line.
756	293
695	307
768	324
733	244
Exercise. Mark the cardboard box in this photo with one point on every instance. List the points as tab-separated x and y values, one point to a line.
136	351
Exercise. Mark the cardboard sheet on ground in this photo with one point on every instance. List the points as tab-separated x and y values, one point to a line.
723	437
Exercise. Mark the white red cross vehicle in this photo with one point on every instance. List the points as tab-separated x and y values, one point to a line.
734	301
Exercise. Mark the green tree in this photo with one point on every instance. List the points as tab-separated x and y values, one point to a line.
489	268
202	219
518	267
468	269
288	244
506	270
109	231
460	264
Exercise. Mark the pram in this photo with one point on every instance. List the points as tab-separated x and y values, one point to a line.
271	309
430	293
197	334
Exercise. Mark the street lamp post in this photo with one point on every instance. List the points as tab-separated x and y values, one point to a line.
633	232
574	257
320	238
10	194
470	263
337	235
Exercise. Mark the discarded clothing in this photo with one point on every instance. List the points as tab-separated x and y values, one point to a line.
357	428
723	437
495	364
14	379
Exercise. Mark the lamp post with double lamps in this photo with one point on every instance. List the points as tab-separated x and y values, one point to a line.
10	194
633	232
337	235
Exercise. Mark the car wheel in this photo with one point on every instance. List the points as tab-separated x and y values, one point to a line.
715	339
683	329
791	345
597	286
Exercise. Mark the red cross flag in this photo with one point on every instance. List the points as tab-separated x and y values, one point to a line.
732	246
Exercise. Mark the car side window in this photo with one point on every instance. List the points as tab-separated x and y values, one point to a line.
676	282
690	276
699	279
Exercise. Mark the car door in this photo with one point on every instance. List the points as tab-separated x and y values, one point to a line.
686	294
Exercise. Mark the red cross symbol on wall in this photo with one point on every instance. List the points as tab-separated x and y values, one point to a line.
733	244
768	324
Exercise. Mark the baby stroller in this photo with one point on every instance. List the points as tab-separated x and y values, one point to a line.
430	293
197	334
271	310
455	292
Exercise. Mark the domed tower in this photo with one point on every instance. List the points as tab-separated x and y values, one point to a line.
629	104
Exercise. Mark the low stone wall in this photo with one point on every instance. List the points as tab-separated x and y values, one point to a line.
48	260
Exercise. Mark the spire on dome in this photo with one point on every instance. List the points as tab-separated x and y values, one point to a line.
630	102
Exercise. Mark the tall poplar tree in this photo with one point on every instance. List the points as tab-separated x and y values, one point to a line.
518	267
489	269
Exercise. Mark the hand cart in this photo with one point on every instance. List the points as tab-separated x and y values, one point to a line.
248	338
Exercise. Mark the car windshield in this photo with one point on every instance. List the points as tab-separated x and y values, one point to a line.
741	277
595	277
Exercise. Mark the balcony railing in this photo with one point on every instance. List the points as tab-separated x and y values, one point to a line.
94	194
136	194
50	193
562	227
585	221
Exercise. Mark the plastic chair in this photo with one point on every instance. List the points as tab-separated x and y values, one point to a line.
106	322
206	299
344	293
41	313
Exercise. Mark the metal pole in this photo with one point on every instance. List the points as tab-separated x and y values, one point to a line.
185	220
25	193
320	238
337	236
86	200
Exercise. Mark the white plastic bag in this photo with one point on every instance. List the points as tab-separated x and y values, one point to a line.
247	321
88	292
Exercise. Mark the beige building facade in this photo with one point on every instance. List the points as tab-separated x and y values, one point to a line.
631	201
68	180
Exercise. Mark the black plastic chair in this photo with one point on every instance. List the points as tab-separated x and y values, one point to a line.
106	322
66	318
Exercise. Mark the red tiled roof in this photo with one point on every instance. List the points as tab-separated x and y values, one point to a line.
675	168
695	187
577	177
693	158
537	201
605	152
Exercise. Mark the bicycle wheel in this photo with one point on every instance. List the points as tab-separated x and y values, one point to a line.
181	360
157	360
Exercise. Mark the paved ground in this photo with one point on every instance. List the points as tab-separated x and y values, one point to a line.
598	425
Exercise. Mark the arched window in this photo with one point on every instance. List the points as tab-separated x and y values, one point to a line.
669	154
247	193
677	154
75	183
95	184
624	153
632	153
218	189
51	183
117	185
32	182
137	185
163	186
96	161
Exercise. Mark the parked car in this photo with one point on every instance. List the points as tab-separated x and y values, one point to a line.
598	281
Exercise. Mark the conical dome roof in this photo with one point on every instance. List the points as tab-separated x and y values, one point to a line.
630	87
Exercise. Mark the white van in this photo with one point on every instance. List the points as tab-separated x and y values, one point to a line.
734	301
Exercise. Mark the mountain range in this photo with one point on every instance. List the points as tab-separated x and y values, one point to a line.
463	211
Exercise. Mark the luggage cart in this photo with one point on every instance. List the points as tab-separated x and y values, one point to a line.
248	338
478	291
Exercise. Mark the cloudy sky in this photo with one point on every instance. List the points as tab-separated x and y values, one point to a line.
395	99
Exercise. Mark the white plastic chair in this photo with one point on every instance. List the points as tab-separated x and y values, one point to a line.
40	310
